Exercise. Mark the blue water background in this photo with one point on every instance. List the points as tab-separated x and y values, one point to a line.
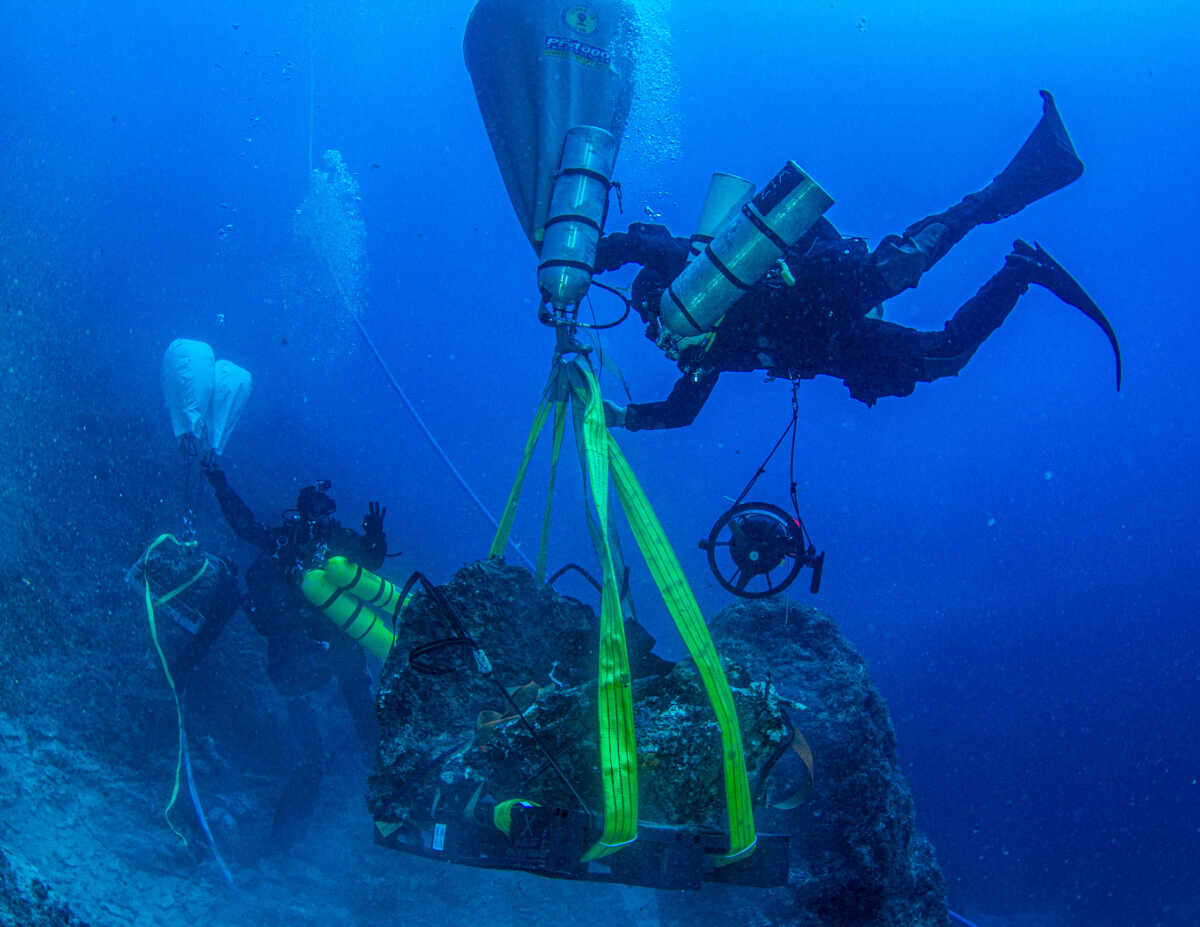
1013	551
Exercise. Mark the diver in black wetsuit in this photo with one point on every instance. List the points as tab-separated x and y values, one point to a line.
304	648
809	315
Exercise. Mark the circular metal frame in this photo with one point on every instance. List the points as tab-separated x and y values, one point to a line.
749	544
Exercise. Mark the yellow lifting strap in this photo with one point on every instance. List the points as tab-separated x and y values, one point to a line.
681	603
150	603
602	462
560	424
504	529
618	748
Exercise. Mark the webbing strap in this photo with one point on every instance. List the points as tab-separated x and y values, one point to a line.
504	528
166	669
681	603
601	461
560	424
618	749
186	584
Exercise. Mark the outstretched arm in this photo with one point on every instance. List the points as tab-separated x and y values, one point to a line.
236	512
649	245
677	410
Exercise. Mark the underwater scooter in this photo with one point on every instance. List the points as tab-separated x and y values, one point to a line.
753	540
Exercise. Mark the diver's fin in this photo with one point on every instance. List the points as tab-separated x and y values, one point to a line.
1046	162
1045	271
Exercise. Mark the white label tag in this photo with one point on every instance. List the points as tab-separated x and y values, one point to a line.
439	837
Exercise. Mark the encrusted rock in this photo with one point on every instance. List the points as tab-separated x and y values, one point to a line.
449	736
444	737
857	856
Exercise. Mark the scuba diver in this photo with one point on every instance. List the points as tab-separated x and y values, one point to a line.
304	648
812	312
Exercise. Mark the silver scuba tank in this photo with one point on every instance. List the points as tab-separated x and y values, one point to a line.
726	194
576	218
744	248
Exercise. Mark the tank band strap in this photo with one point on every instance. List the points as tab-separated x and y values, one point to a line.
683	311
555	263
767	232
333	598
725	271
573	217
358	571
384	587
374	621
585	172
358	607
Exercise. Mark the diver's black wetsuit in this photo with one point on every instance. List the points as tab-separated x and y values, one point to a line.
304	648
820	325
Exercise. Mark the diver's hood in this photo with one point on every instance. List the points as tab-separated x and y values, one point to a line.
540	67
312	504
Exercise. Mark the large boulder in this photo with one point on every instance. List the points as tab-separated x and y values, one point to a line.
450	737
857	856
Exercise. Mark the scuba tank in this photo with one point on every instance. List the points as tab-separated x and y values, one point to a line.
743	249
356	600
727	193
576	219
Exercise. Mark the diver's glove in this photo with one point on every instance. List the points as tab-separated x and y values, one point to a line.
212	471
614	415
646	244
372	523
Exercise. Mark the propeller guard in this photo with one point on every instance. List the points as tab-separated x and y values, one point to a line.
757	550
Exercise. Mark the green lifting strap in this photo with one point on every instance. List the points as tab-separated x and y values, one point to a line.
150	602
681	603
560	424
618	749
602	463
500	541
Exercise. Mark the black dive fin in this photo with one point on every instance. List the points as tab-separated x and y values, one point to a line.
1046	162
1054	277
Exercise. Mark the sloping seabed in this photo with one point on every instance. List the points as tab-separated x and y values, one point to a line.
88	732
